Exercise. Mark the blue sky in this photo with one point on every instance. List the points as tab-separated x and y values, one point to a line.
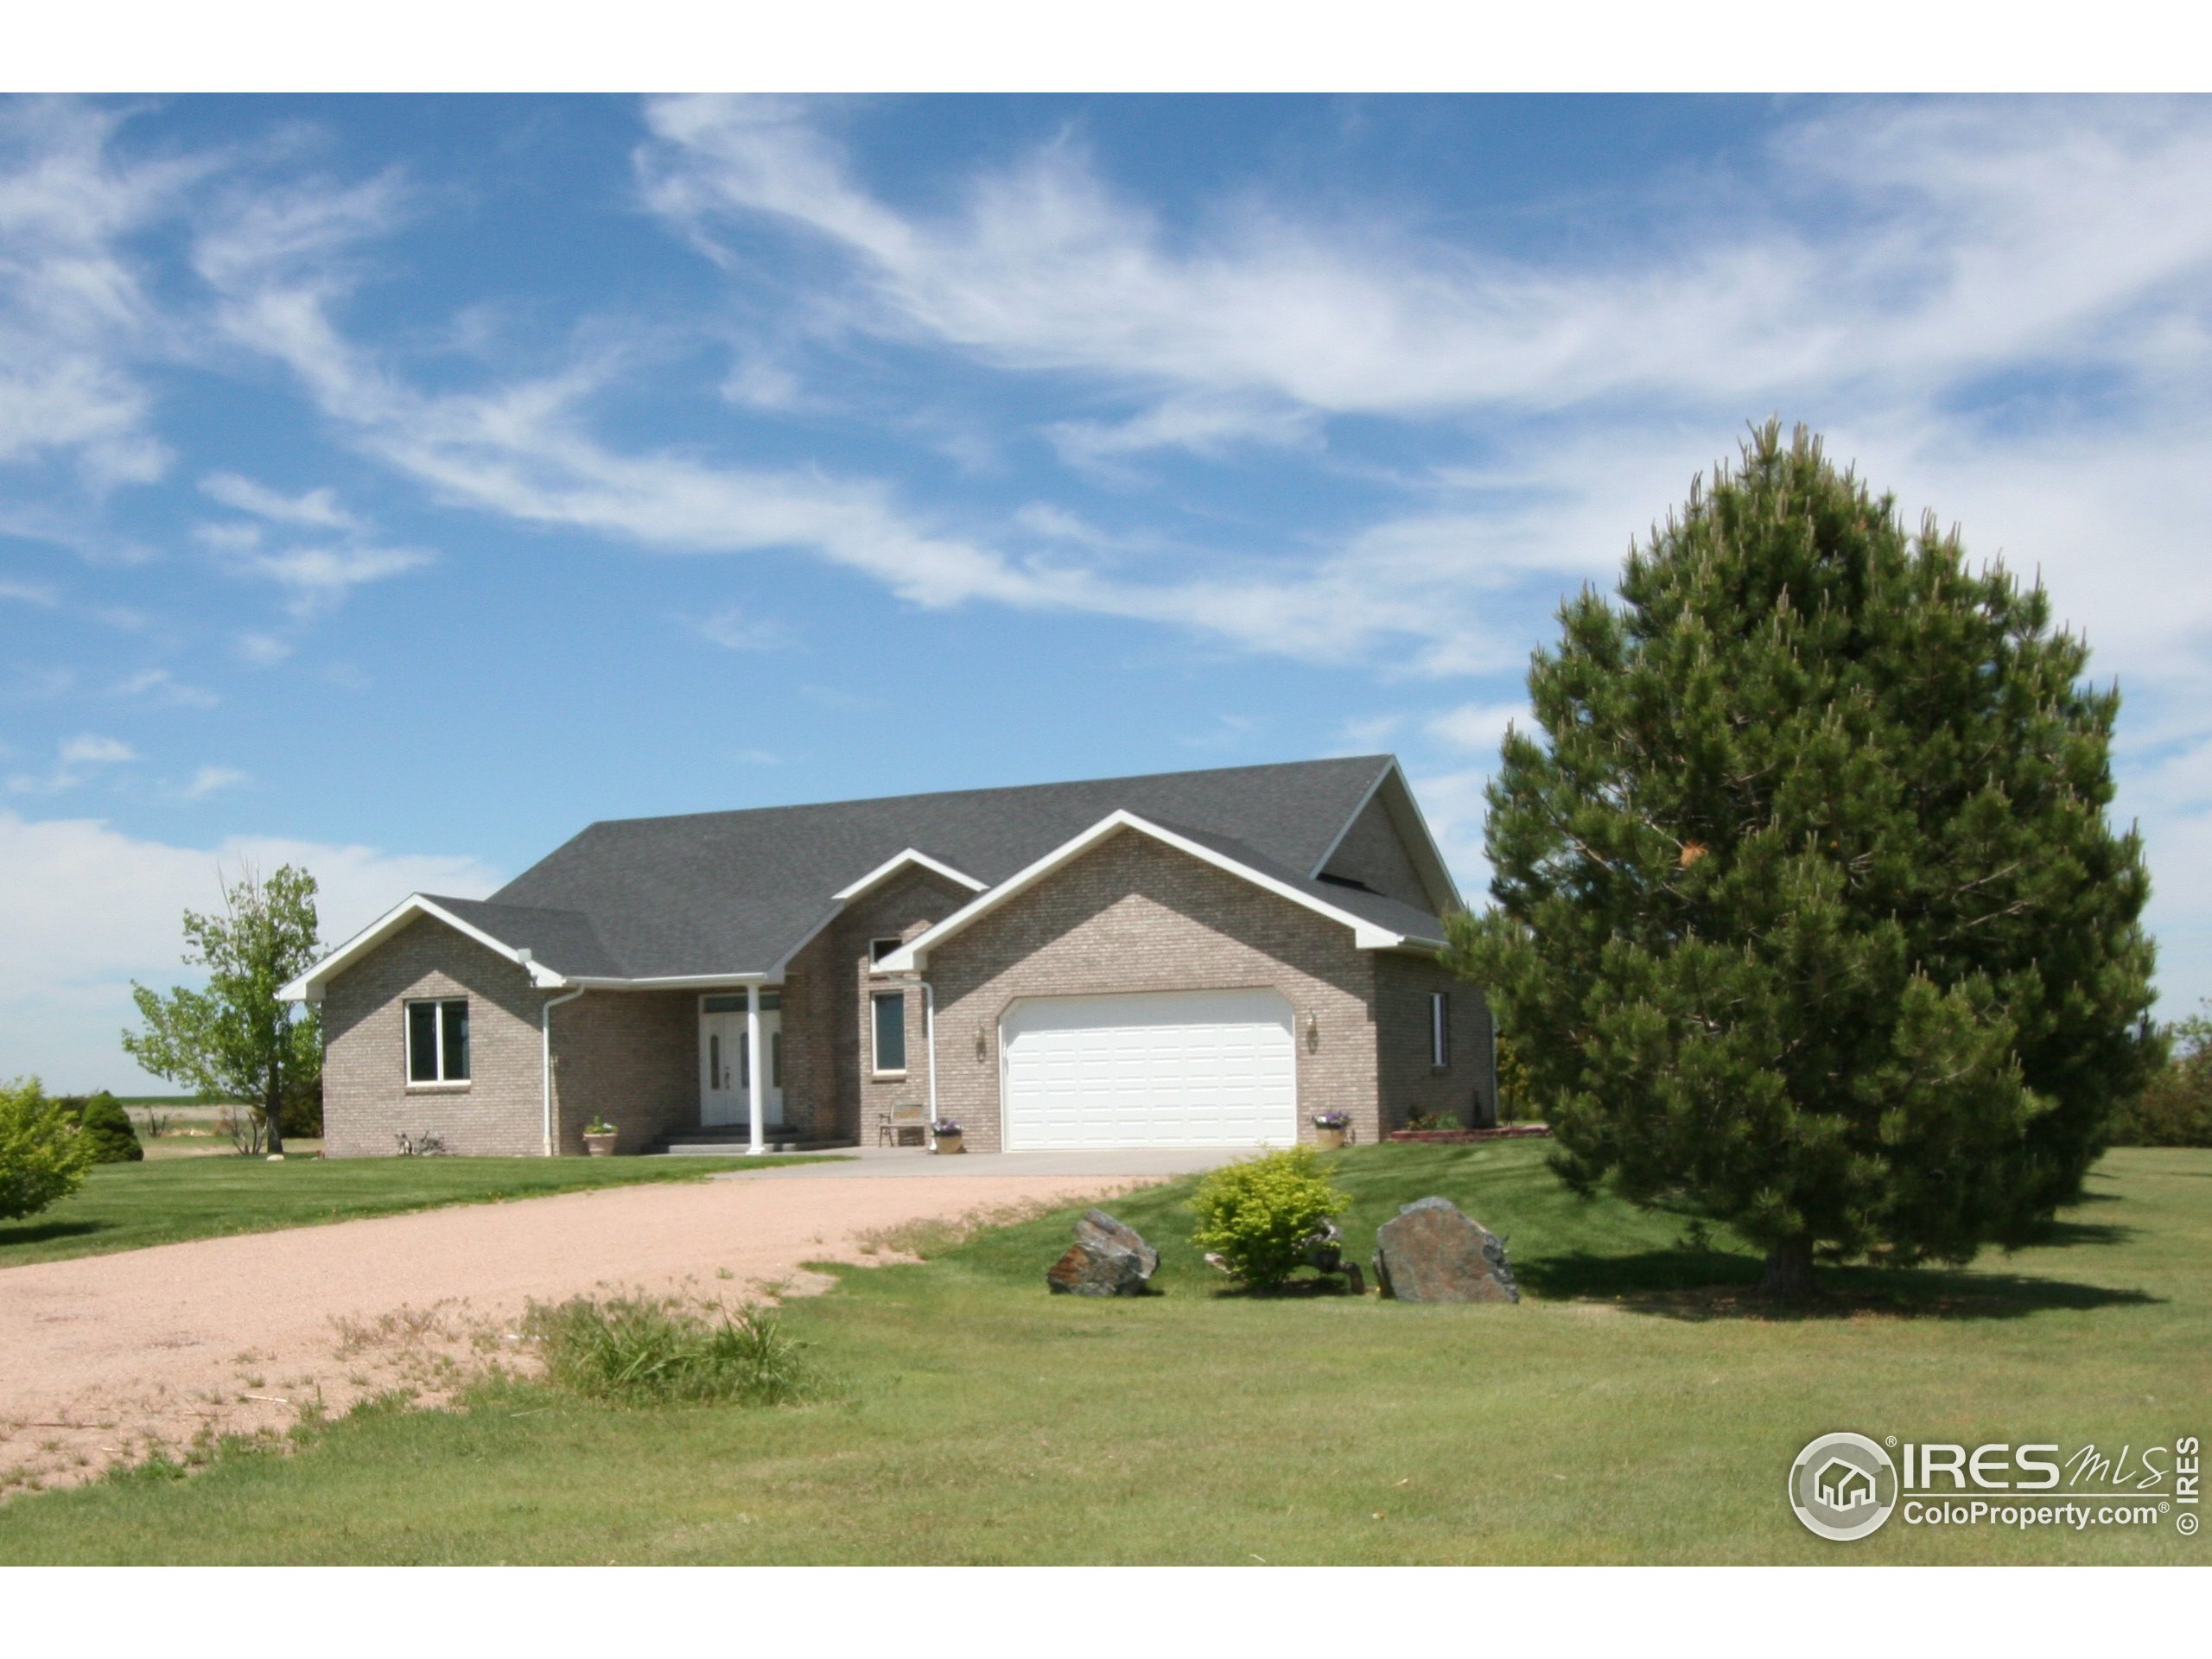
399	485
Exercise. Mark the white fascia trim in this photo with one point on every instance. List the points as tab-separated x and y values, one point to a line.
892	865
910	956
1438	868
309	987
674	982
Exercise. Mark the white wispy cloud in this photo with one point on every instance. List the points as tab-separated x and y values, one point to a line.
317	509
76	760
76	324
212	780
733	629
159	686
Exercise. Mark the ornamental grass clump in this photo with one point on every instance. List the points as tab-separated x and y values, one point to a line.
1260	1216
638	1351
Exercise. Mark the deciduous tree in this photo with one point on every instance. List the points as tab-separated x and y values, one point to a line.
235	1041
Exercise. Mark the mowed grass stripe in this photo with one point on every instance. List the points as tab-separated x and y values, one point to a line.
129	1206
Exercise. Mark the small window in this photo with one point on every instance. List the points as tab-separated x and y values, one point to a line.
890	1031
437	1041
879	949
1439	1029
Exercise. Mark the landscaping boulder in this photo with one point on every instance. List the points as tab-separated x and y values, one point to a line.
1107	1259
1432	1251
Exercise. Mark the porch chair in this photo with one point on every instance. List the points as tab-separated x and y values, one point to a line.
898	1120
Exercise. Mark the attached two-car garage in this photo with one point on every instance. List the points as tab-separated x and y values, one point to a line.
1154	1069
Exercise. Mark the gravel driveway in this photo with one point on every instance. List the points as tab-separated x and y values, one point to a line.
105	1358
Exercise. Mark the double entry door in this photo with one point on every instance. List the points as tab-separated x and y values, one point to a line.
725	1074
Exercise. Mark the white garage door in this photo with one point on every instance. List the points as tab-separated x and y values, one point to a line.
1166	1069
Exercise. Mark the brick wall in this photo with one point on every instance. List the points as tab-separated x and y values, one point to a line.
1371	852
1133	915
630	1057
368	1102
828	1041
1466	1087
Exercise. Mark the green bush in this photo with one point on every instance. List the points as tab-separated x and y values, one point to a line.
300	1113
42	1157
652	1351
107	1129
2175	1108
1259	1215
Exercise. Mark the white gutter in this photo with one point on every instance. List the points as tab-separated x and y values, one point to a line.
545	1035
929	1042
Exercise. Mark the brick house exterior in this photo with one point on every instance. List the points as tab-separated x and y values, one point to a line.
1313	886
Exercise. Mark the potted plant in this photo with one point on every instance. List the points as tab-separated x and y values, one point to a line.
599	1138
946	1137
1330	1130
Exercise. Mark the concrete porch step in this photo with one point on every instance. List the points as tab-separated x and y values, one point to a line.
727	1143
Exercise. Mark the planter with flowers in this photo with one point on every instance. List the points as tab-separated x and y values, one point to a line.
1330	1130
599	1136
946	1137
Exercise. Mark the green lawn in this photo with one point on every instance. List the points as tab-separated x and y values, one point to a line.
168	1199
1625	1411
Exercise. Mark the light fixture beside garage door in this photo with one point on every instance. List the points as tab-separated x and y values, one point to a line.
1313	1033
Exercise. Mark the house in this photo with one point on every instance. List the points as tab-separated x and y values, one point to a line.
1199	958
1843	1486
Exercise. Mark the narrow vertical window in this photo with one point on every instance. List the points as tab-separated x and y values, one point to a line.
453	1025
890	1031
421	1042
1439	1029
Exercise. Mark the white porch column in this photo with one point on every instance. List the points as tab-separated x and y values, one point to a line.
753	1076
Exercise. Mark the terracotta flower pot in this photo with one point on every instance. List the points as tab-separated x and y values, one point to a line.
1329	1140
601	1146
949	1143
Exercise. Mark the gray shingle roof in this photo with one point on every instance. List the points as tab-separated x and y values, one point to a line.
732	892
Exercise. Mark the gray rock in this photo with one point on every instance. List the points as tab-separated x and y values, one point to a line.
1107	1259
1096	1227
1432	1251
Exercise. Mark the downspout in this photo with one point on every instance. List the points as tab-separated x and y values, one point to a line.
545	1034
929	1042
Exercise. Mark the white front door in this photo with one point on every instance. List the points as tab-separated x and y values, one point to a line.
724	1073
1156	1069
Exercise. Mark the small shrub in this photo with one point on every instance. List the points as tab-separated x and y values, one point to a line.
656	1351
1432	1121
42	1155
107	1129
1260	1215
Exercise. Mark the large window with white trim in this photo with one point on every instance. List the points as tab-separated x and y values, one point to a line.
1440	1030
437	1040
888	1009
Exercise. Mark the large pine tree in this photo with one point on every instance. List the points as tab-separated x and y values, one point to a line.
1809	915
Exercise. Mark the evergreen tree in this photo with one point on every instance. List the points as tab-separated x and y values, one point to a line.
1807	912
235	1041
107	1129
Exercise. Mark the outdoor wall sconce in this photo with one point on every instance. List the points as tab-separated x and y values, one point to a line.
982	1046
1313	1033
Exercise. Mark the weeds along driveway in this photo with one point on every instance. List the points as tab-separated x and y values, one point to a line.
105	1358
